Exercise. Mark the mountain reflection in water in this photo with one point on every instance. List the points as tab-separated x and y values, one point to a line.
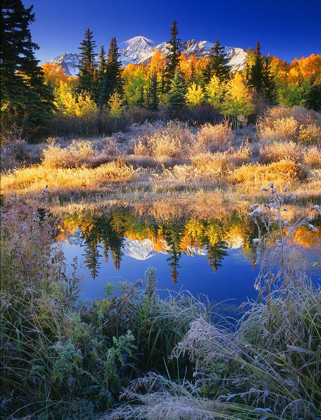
123	244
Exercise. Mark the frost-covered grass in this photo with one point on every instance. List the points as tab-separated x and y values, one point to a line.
284	147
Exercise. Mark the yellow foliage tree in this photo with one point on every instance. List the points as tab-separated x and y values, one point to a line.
238	98
85	106
116	105
65	99
194	95
215	91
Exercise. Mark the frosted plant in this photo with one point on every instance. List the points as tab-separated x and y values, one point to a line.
276	250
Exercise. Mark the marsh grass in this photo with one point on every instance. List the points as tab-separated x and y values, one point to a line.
60	180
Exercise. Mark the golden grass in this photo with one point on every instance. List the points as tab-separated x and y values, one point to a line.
284	171
36	178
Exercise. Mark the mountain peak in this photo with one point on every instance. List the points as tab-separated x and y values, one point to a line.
140	49
139	40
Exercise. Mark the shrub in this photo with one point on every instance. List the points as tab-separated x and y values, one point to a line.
276	151
217	137
284	171
174	139
310	134
222	162
15	155
312	156
290	124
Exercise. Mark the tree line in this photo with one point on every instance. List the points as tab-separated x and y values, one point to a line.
33	96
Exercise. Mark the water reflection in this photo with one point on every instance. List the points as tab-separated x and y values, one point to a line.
122	232
208	254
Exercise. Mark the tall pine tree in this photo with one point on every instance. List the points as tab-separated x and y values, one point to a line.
258	74
172	56
217	64
114	81
86	76
26	102
102	88
152	99
177	91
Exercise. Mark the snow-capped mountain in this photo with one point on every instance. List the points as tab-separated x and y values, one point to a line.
139	50
69	62
139	250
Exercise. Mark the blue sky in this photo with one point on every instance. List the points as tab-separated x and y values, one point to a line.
285	28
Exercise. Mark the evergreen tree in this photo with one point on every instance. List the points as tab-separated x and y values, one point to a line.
313	100
192	78
258	74
177	91
172	56
113	70
217	64
86	77
102	95
26	102
152	93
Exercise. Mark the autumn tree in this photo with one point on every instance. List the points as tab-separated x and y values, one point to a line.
217	64
135	82
26	102
238	98
172	55
86	76
215	91
194	96
116	105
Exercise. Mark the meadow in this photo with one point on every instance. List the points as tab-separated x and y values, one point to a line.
283	147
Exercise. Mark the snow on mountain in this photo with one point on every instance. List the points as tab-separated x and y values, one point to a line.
139	50
139	250
69	62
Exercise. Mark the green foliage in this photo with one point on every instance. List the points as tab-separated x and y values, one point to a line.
172	55
86	77
258	74
217	64
26	102
113	73
177	91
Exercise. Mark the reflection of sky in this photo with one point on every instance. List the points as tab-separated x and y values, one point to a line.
233	281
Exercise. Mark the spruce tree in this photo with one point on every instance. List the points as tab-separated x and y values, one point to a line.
172	56
26	102
217	64
102	89
177	91
86	76
152	93
313	99
113	70
258	74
